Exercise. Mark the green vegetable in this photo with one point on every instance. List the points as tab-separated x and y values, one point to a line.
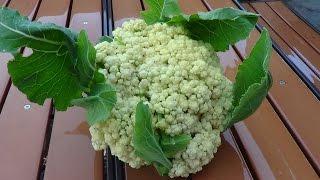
145	142
85	65
105	38
172	145
160	10
62	64
99	102
221	27
253	80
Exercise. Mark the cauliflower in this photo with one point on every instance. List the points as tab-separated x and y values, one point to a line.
179	78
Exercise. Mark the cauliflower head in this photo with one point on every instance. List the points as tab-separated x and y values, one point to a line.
179	78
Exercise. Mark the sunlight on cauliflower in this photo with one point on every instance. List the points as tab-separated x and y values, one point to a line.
179	78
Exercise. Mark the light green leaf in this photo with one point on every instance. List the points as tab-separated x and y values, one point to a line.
253	80
160	10
105	38
145	142
172	145
86	59
99	101
221	27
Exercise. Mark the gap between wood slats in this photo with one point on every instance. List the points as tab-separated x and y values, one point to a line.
276	108
113	167
7	3
291	131
296	69
306	62
294	29
47	137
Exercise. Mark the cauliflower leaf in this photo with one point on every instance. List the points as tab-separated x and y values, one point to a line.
62	64
145	142
221	27
160	10
100	100
253	80
172	145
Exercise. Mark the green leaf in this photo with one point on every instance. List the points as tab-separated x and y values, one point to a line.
85	65
172	145
145	142
253	80
160	10
62	65
99	101
105	38
49	72
221	27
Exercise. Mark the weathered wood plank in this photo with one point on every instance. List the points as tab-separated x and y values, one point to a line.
295	162
71	155
298	44
290	53
22	124
298	25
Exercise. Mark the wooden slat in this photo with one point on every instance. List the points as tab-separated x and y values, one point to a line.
303	122
71	155
291	54
22	125
124	10
3	2
311	56
298	25
288	97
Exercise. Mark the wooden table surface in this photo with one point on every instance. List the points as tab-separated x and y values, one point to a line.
279	141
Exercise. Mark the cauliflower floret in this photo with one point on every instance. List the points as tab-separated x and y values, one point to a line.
198	153
178	77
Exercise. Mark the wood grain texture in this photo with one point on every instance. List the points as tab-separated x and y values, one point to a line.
283	97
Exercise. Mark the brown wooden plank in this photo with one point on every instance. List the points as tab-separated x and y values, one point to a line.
291	54
3	2
298	25
22	125
71	155
298	44
124	10
293	109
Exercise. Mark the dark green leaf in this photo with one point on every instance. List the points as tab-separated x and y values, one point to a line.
172	145
221	27
253	80
145	142
160	10
105	38
99	101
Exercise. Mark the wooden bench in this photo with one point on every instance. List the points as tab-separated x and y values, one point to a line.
279	141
